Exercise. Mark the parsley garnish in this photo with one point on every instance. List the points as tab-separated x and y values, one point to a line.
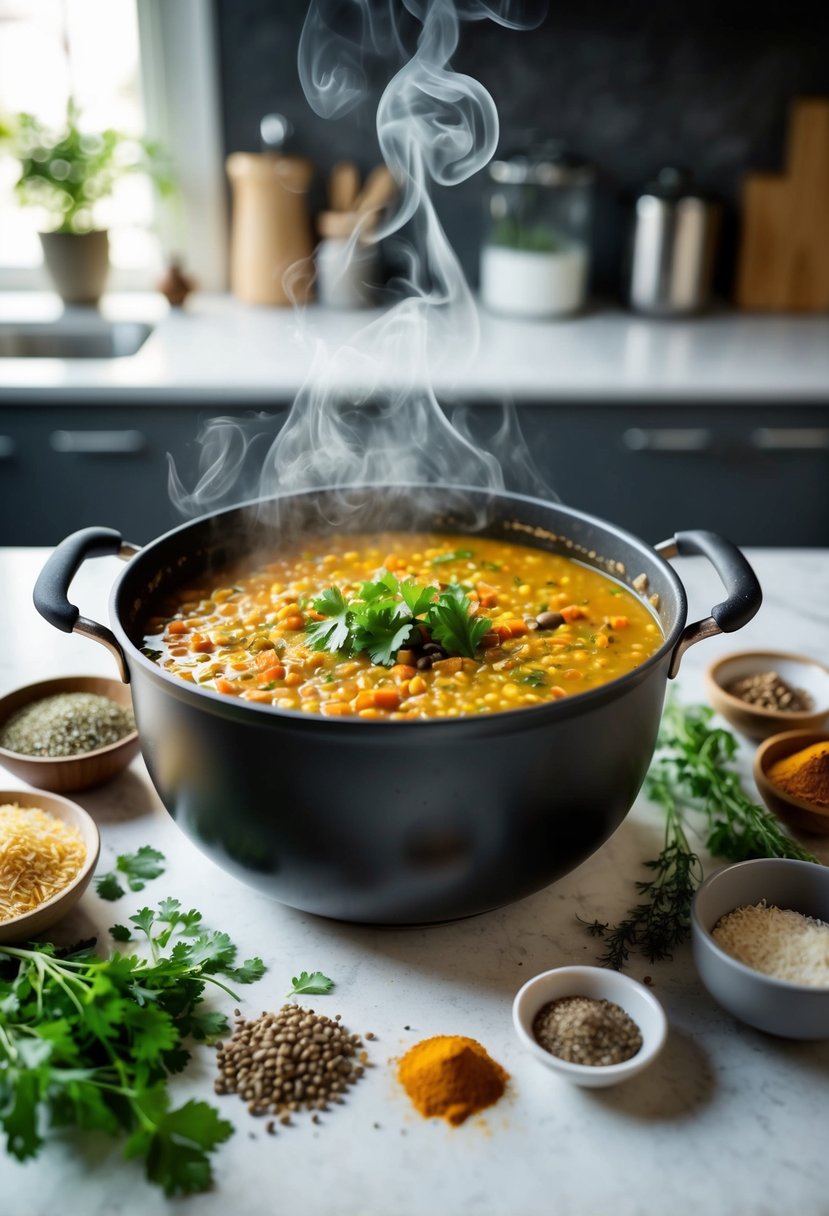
137	868
452	626
333	632
380	617
92	1041
493	566
535	678
315	984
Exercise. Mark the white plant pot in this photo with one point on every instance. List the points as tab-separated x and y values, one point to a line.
78	264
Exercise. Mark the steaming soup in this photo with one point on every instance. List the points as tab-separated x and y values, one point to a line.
404	626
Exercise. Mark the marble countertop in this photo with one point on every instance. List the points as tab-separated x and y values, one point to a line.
216	349
727	1122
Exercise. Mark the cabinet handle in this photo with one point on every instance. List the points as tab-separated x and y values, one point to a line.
7	447
791	439
667	439
98	443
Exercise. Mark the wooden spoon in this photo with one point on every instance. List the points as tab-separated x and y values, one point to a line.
378	190
343	186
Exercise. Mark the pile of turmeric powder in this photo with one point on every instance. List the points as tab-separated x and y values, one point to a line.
451	1076
805	774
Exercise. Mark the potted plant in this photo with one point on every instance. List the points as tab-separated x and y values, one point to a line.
65	172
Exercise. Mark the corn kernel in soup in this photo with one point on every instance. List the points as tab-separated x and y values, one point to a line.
404	626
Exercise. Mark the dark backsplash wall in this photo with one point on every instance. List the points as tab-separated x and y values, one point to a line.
632	85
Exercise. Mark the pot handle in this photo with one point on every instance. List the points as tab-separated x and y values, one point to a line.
744	592
52	587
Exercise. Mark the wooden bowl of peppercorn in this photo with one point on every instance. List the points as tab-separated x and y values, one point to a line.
92	764
763	692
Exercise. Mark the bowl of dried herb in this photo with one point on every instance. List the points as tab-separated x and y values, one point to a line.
69	733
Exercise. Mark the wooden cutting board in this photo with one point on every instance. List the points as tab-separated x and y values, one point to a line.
784	249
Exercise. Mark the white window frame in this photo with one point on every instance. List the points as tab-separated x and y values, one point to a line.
181	95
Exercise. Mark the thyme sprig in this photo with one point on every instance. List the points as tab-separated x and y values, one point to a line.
690	776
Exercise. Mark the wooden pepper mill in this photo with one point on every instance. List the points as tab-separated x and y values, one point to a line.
271	242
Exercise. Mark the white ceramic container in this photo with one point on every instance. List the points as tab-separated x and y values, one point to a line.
601	984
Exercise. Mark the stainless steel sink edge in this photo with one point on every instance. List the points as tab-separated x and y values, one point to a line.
73	336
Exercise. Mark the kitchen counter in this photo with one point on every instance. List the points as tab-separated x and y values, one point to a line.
727	1122
217	350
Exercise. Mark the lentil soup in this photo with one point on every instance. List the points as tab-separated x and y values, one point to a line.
404	626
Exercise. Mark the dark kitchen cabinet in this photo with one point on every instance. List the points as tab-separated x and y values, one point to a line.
759	475
63	468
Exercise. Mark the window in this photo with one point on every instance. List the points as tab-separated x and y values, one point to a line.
143	67
89	50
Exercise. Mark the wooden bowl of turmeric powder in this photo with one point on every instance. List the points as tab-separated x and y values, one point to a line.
792	774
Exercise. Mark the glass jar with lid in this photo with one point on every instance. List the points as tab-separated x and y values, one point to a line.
535	258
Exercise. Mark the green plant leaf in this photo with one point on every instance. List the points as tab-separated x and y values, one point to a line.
333	632
108	887
311	984
452	626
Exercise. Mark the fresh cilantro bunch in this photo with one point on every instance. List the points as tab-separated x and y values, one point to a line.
91	1042
382	616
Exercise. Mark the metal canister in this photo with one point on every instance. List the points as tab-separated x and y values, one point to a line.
673	245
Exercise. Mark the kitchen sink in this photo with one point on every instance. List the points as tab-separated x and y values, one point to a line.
75	338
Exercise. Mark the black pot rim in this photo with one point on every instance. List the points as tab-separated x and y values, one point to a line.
494	723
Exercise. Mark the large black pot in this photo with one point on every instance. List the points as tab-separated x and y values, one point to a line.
385	821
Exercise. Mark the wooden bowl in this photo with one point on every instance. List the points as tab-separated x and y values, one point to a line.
21	928
801	814
65	773
753	721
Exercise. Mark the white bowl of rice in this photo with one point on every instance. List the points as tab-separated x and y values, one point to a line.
49	848
760	932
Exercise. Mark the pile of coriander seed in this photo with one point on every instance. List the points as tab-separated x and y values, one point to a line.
291	1060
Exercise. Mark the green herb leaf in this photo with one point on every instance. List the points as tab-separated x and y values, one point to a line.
416	598
121	933
144	918
451	625
209	1025
332	633
108	887
251	969
535	677
315	984
493	566
140	867
456	556
381	631
176	1144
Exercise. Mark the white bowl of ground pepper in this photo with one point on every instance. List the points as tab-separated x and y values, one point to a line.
592	1026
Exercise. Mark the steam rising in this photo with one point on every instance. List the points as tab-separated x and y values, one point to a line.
434	125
